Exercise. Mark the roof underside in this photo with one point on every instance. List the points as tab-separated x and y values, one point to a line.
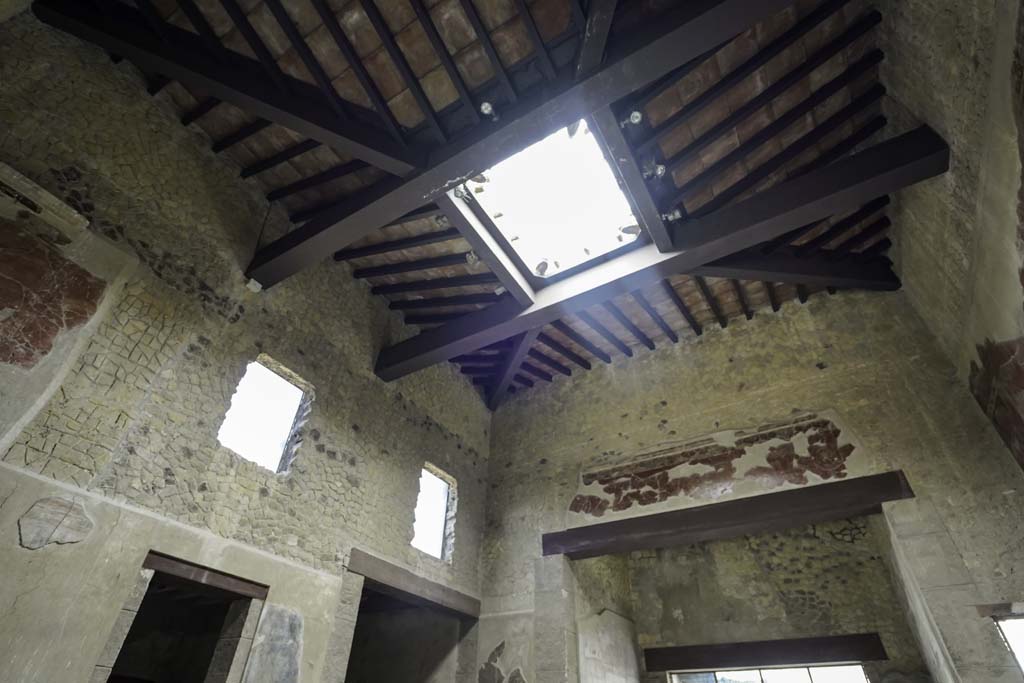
796	92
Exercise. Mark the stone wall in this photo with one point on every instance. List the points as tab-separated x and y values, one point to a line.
868	358
136	405
825	579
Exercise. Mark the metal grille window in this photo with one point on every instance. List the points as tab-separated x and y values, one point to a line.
848	673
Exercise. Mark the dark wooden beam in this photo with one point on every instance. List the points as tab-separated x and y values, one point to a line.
550	362
581	341
411	266
683	34
438	283
681	306
234	79
540	50
317	179
522	379
653	314
536	372
773	130
786	266
861	647
802	144
427	211
199	111
865	235
398	245
596	326
839	228
384	577
402	67
252	38
309	60
232	139
564	351
450	68
466	215
741	296
765	513
609	135
796	75
341	41
600	15
430	318
279	158
623	320
737	75
773	297
510	366
492	54
202	26
204	575
879	170
443	302
711	301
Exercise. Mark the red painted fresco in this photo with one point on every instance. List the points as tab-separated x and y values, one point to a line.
650	481
41	294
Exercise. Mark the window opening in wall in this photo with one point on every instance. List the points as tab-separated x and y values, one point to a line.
266	412
847	673
435	513
1012	630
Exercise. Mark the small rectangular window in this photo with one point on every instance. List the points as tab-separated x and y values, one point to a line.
434	515
1012	629
261	422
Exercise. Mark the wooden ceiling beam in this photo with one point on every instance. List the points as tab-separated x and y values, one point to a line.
608	134
600	14
233	78
684	33
476	227
881	169
510	367
486	279
398	245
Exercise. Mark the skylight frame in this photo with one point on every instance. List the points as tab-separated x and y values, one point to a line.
537	282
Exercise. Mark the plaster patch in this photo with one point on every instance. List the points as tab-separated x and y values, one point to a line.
53	520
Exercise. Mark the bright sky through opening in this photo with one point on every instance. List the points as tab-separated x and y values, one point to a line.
557	202
1013	631
260	418
431	514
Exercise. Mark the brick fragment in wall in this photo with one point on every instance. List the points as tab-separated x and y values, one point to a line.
42	294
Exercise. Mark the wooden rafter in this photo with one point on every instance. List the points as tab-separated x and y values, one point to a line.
690	31
884	168
232	78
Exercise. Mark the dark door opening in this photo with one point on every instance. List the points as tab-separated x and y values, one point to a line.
176	631
399	640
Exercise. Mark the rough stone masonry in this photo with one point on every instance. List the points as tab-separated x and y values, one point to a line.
121	346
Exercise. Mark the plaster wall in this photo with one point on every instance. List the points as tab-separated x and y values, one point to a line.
871	360
129	411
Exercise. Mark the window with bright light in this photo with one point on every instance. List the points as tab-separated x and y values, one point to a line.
261	420
557	202
847	673
433	526
1012	629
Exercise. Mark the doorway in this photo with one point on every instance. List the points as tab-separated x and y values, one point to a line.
188	626
400	640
